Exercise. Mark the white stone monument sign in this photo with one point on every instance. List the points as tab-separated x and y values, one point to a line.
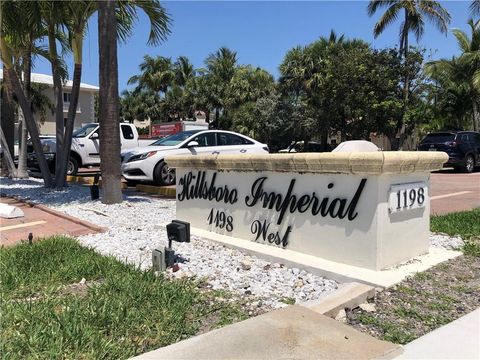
369	209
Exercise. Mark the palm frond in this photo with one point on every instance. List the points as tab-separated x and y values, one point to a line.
476	81
416	25
462	39
475	7
436	14
374	5
389	17
127	15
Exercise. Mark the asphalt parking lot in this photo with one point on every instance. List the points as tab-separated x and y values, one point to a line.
451	191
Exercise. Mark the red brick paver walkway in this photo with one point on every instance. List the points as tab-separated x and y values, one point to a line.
41	222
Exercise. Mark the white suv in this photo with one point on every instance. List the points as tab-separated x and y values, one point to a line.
146	164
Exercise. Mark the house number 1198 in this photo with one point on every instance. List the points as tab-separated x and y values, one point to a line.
407	196
414	196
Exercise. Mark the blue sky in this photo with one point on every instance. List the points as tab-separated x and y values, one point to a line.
260	32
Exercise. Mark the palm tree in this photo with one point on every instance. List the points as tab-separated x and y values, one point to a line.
414	12
157	74
13	33
220	67
184	71
25	49
463	72
108	65
293	71
142	105
52	15
450	95
470	47
8	128
108	103
77	15
249	84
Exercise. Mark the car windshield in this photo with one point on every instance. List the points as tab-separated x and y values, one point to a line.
175	139
438	138
84	131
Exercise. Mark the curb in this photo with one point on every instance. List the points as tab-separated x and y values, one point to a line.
166	191
348	295
87	181
82	180
70	218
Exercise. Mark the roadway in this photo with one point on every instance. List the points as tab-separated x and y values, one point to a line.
451	191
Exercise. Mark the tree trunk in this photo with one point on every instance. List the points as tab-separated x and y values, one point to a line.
476	116
13	81
58	94
401	126
217	118
61	179
7	161
22	146
8	125
22	127
109	104
77	48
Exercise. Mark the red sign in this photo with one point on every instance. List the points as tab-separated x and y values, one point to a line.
162	130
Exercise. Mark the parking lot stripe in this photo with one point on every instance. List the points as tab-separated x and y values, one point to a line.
449	195
33	223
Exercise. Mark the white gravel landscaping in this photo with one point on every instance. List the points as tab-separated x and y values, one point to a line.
134	231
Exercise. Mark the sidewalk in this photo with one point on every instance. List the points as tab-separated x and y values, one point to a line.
294	332
458	340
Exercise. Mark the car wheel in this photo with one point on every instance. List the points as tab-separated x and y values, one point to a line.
163	175
72	167
469	164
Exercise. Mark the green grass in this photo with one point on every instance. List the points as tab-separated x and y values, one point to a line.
464	223
288	300
391	332
123	313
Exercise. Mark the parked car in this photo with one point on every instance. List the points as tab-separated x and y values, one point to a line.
147	164
15	150
462	147
85	147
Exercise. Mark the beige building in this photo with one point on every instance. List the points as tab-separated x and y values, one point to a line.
86	103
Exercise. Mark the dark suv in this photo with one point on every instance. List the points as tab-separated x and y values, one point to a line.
462	147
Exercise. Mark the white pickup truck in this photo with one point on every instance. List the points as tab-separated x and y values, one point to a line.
85	150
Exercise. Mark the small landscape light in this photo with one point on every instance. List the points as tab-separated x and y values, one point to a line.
178	231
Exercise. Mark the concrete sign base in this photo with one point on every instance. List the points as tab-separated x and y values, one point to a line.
367	210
